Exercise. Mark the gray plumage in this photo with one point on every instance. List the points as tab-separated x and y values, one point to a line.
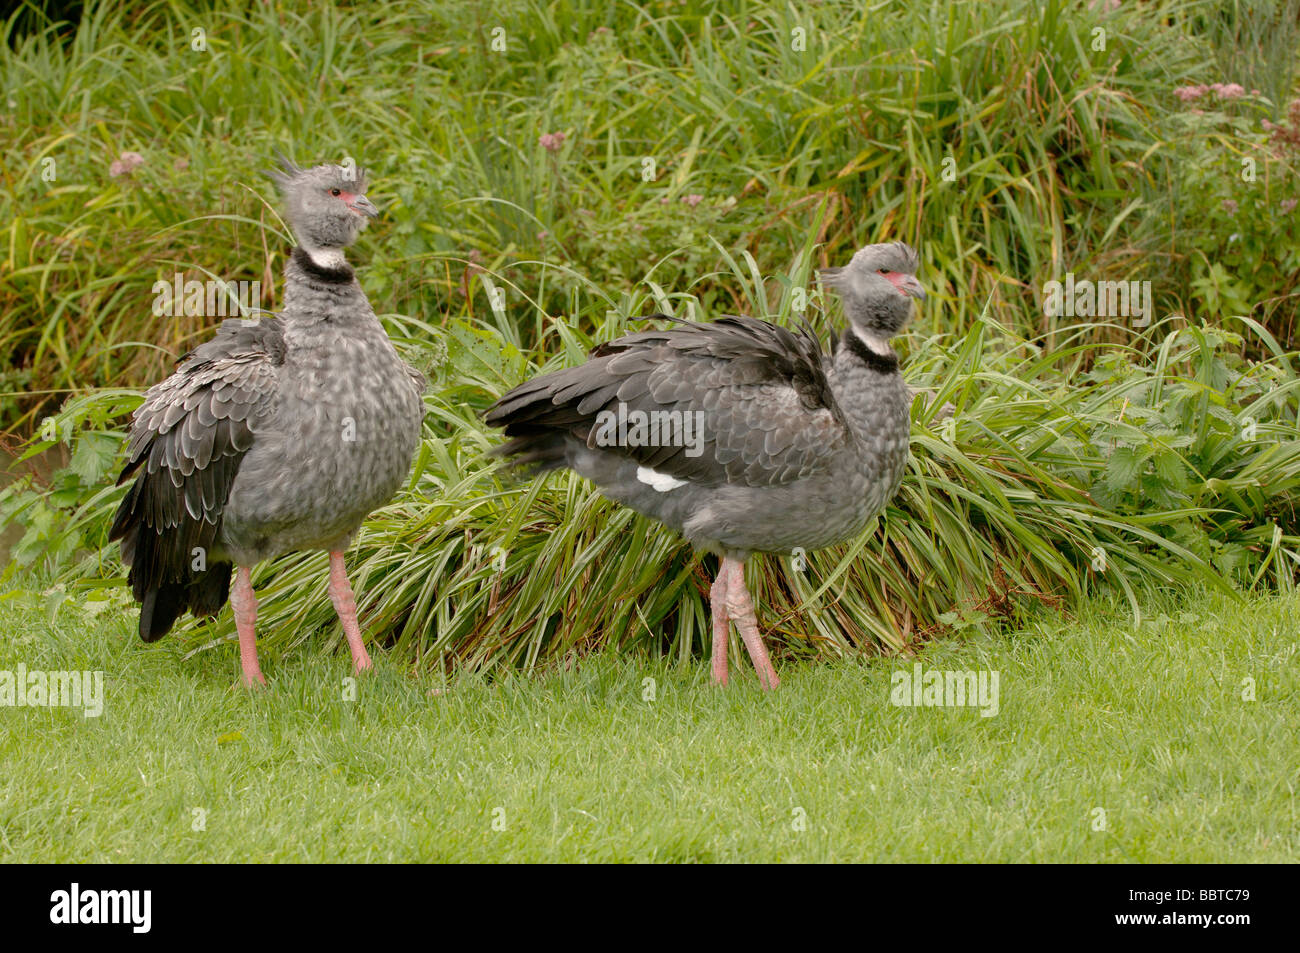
800	448
791	447
276	435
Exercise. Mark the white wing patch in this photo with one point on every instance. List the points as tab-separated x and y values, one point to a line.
660	482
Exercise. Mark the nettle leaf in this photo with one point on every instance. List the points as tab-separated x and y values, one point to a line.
472	351
1193	537
431	359
1136	413
1231	558
15	499
1226	415
1110	367
1157	491
95	453
1104	497
1213	392
67	496
34	542
1123	469
1158	437
1170	469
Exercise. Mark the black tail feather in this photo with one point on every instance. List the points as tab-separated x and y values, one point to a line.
533	453
159	609
210	590
203	594
162	577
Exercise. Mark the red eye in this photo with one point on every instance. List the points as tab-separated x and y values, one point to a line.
336	191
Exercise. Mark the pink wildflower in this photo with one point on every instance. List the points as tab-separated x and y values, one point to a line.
125	164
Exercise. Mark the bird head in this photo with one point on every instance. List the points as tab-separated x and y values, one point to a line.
877	286
326	205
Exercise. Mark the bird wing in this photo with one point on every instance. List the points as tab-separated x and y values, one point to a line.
187	440
759	392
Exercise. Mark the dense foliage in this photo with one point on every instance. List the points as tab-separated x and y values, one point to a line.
616	159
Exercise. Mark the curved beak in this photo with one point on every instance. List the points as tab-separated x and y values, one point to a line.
911	287
364	206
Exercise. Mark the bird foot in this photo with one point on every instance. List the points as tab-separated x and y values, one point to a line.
364	664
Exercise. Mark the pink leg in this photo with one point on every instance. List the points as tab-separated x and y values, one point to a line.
346	607
721	626
741	608
244	604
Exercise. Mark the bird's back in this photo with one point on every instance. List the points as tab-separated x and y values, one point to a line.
767	457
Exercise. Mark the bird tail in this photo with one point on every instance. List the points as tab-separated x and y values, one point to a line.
204	594
544	418
162	576
535	452
537	429
159	610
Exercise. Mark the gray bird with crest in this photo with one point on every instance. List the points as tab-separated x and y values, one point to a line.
277	435
745	436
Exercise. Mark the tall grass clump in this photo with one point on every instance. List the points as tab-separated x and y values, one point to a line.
994	136
700	157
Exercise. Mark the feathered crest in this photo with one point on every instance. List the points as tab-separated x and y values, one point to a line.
290	172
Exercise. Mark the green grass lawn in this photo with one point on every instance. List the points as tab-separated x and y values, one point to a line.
1147	723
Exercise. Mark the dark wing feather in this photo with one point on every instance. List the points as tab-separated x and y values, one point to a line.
769	414
187	440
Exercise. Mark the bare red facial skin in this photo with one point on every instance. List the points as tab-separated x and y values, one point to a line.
348	198
895	278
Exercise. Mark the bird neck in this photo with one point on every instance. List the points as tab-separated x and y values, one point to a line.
315	294
307	269
868	351
330	259
868	386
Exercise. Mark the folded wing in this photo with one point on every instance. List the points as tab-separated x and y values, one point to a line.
186	444
761	411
